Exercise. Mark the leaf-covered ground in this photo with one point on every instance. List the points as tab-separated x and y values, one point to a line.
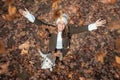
92	56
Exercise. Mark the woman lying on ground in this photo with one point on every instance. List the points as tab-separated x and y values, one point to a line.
59	43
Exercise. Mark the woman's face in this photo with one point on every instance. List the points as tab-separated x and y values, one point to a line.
61	26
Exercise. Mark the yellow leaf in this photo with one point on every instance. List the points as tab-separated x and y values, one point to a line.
100	56
12	13
12	10
24	51
25	45
117	59
70	75
55	4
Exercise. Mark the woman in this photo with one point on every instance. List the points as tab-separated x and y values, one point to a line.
59	43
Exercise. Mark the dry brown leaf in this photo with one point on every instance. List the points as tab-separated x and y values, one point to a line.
12	13
25	45
118	31
87	71
31	62
4	68
23	33
82	78
74	9
108	1
2	47
117	59
7	17
70	75
83	64
115	64
114	25
24	52
71	21
117	41
41	34
81	22
100	56
8	2
55	4
57	13
12	10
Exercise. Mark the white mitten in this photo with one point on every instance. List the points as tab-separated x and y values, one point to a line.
29	16
92	27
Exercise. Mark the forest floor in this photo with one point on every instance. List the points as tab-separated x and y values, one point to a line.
92	56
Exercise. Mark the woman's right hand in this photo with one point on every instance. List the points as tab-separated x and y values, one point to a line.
27	14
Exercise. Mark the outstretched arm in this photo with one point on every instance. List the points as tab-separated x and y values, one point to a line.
93	26
32	19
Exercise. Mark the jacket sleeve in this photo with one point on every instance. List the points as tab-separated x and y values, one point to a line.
75	30
40	22
32	19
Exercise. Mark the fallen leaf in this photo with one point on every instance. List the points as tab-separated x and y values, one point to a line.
31	62
115	64
88	71
71	22
82	78
74	9
118	32
117	41
114	25
70	75
4	68
23	33
117	59
108	1
8	2
12	13
55	4
12	10
24	52
116	75
81	22
57	13
100	56
41	34
25	45
83	64
2	47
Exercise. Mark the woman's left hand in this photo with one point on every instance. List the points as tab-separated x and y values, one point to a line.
100	22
